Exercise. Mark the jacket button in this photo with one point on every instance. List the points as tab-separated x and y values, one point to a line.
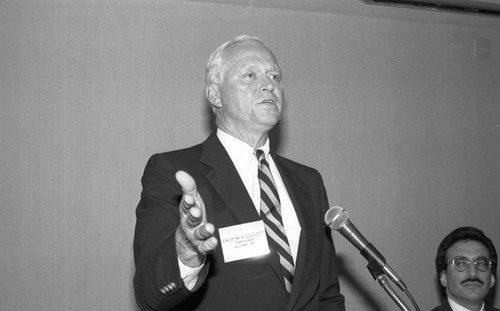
167	289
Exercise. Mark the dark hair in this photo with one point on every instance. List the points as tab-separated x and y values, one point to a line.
464	234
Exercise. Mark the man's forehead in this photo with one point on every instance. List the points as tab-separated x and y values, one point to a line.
249	54
249	58
469	249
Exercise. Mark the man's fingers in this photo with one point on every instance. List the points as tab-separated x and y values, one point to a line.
187	202
209	245
204	232
188	186
190	198
194	217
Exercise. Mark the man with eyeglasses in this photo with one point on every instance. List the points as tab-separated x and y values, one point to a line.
466	265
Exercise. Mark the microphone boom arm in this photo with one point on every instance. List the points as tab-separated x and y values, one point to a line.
377	273
370	252
337	219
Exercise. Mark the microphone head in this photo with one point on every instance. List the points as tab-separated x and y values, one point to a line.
336	217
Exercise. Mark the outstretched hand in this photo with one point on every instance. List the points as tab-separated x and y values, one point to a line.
194	235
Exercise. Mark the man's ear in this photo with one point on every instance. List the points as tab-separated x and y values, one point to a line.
442	278
492	281
212	93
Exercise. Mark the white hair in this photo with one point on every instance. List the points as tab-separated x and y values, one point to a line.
222	55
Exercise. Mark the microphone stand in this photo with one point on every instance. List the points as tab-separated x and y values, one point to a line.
378	274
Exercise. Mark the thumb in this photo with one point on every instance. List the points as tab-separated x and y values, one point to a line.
186	181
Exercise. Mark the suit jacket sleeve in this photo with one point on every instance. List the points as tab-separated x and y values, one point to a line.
330	296
154	241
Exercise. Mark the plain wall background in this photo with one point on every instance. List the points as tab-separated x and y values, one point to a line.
389	104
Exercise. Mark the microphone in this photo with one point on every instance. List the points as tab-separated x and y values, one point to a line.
337	219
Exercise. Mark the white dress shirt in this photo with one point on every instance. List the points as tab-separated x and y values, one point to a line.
456	307
246	163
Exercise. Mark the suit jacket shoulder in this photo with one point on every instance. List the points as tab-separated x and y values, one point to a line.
295	166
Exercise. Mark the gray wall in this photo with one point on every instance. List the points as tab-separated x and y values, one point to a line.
389	104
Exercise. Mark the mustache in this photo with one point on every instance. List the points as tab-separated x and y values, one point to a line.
472	280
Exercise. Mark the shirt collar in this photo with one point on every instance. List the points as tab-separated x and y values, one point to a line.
456	307
239	149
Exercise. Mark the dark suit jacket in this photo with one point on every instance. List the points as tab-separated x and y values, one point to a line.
446	307
249	284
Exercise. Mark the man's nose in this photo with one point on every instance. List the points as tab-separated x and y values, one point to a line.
472	269
267	85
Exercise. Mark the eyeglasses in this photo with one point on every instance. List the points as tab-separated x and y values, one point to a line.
463	263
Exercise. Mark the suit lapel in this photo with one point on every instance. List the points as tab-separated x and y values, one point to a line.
225	179
300	198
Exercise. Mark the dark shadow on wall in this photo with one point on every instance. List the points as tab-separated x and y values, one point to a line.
358	288
442	297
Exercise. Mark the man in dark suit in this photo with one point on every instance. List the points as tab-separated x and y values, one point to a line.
466	264
198	241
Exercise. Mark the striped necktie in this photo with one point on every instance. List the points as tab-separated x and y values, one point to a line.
270	212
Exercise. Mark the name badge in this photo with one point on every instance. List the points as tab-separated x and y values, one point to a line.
244	241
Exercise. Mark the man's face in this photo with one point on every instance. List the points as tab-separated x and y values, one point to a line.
471	286
250	95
